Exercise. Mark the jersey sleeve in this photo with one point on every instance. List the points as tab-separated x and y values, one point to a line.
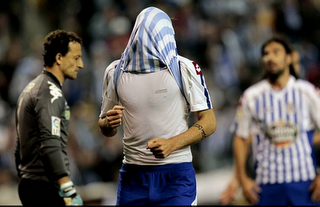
243	117
49	108
194	85
109	97
314	96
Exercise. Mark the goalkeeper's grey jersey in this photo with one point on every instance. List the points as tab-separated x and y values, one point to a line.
42	119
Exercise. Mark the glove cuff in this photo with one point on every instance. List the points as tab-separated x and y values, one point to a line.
67	189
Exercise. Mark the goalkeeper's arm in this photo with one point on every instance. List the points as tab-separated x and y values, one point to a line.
69	193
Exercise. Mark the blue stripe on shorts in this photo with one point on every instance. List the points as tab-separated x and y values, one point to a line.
172	184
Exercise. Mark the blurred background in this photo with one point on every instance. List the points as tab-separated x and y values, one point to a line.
223	36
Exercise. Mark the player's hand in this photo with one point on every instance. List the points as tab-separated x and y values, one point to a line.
160	147
114	116
227	196
70	195
315	188
250	190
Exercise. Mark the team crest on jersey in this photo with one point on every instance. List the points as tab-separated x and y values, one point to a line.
290	108
197	68
54	91
67	114
282	134
55	126
67	111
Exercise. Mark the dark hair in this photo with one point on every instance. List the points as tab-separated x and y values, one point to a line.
57	42
287	46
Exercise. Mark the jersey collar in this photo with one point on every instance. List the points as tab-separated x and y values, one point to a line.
52	77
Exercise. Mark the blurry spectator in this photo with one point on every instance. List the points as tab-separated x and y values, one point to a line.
27	69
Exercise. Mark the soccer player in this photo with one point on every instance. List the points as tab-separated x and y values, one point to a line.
151	90
232	194
42	119
281	114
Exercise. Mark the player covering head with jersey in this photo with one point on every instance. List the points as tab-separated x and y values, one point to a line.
42	119
280	113
151	90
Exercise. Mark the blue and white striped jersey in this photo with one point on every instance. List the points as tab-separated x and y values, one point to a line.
151	47
282	125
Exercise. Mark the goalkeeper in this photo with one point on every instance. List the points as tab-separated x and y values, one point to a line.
42	119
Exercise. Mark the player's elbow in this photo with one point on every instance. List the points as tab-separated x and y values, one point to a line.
212	125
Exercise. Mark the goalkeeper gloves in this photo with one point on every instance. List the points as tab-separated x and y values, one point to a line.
70	195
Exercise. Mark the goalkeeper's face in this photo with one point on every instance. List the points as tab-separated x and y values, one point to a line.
72	62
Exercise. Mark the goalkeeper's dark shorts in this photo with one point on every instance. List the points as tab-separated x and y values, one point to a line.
172	184
34	192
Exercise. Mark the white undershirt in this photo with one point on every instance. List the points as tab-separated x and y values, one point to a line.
154	107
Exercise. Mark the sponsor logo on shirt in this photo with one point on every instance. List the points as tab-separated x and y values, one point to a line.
161	91
54	91
197	68
55	126
282	134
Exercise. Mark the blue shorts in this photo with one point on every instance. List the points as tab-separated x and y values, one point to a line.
172	184
286	194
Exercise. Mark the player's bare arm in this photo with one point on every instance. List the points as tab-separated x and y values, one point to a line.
205	126
111	120
229	193
241	151
315	189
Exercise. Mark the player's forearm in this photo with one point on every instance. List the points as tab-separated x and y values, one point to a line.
204	127
241	150
105	129
52	156
316	138
110	120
